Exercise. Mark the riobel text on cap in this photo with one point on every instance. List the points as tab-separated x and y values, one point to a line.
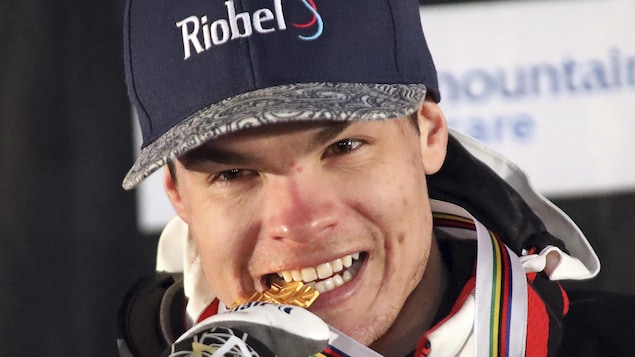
236	26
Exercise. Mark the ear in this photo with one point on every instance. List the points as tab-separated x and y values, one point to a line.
174	195
434	136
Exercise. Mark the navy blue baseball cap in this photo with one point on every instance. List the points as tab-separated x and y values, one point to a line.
197	69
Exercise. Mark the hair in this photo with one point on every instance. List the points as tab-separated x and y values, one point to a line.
172	168
414	120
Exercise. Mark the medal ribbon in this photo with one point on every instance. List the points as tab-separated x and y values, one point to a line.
501	287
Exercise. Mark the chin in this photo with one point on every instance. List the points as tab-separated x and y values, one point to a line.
364	330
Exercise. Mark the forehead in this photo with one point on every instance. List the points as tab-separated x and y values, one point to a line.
232	148
318	127
282	129
314	133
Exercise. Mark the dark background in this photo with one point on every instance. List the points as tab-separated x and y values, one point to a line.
69	238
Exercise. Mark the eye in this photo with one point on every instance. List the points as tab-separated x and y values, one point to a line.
233	174
343	147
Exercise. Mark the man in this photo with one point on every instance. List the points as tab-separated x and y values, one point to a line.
303	142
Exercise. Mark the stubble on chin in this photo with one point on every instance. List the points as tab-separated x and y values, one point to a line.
371	330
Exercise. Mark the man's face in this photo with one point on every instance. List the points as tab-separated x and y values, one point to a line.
346	202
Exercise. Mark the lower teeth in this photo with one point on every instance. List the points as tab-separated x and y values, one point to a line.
331	283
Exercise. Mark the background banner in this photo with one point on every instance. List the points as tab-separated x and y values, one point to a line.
551	84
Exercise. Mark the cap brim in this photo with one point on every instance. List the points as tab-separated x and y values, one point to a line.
280	104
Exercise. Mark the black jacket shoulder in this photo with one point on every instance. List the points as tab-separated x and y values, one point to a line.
599	324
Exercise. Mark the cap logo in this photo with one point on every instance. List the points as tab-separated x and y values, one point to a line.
201	35
317	19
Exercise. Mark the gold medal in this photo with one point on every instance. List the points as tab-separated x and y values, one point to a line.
292	293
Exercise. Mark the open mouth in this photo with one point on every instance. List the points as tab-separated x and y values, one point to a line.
323	277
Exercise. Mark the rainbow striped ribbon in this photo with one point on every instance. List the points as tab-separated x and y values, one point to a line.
331	351
501	303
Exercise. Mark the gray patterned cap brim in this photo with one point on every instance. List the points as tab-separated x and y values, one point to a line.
280	104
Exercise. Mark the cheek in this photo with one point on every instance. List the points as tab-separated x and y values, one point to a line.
409	244
393	194
399	208
226	232
222	236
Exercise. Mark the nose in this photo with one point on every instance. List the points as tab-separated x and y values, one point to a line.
298	208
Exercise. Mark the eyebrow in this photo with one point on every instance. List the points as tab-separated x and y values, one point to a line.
210	153
326	134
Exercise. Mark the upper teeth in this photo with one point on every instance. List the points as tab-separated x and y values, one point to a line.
323	271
